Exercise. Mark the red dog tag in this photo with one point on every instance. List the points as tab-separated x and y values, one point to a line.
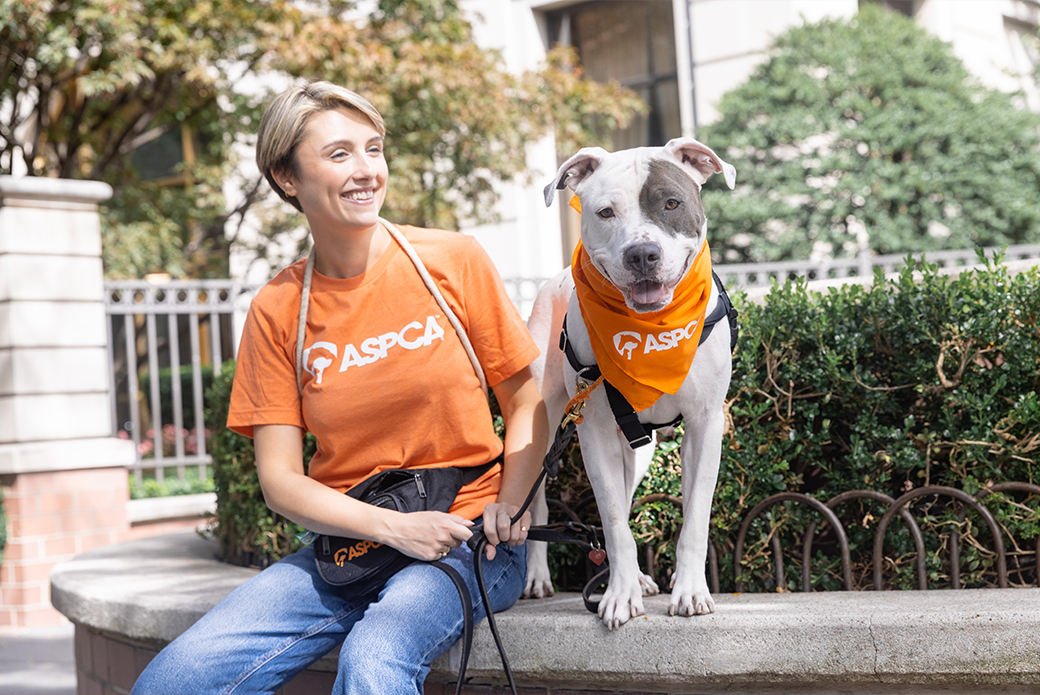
598	555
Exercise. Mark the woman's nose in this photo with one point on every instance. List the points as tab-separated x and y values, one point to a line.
365	167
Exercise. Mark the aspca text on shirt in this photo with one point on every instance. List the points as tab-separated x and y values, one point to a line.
322	354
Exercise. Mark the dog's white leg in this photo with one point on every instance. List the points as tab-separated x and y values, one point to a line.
701	450
644	457
610	465
539	583
548	370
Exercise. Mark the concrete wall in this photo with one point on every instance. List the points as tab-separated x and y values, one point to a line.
129	600
996	39
729	38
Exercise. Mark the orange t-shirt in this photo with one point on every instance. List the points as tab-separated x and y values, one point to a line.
386	381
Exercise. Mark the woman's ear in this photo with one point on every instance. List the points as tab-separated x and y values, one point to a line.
285	182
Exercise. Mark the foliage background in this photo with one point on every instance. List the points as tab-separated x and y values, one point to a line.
85	83
870	131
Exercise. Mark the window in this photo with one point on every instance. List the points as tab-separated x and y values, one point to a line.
158	154
632	42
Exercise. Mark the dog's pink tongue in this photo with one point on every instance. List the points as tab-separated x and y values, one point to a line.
647	292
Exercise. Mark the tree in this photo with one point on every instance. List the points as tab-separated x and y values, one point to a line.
870	126
86	85
84	82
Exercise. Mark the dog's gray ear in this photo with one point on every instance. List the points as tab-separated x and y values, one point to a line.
701	159
575	170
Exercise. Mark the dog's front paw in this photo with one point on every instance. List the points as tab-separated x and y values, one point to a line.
538	587
687	604
648	585
539	583
620	605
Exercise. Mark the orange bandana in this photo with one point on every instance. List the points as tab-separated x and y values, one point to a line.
643	355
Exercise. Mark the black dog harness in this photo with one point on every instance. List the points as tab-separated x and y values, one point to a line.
637	433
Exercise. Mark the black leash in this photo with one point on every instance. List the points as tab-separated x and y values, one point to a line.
568	532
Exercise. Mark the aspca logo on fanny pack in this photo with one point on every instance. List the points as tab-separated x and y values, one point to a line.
322	354
353	552
625	342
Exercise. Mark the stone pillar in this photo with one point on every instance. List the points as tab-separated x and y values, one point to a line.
62	473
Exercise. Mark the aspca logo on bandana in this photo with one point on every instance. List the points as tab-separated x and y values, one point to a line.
322	354
625	342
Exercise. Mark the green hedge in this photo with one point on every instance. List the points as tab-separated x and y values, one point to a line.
166	392
249	533
925	379
171	485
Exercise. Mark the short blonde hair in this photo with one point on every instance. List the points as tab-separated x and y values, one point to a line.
284	121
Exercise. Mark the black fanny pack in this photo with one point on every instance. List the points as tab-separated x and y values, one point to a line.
367	565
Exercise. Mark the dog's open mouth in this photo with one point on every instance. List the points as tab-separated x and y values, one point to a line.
648	292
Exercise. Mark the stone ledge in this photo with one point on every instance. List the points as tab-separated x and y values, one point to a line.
68	454
15	189
149	591
148	509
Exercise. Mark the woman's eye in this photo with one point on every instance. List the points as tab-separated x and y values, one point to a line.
606	213
671	204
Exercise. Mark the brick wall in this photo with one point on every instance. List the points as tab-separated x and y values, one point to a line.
53	516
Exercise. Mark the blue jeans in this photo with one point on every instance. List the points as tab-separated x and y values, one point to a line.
286	617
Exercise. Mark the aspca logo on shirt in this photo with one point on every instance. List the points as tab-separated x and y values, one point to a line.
322	354
627	341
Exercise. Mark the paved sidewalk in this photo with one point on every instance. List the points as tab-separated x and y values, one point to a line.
37	661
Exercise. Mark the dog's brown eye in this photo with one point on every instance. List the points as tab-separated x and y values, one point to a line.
606	213
671	204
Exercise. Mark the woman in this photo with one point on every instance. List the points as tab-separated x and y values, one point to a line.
386	384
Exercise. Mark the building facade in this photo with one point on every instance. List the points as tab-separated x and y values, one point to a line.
681	56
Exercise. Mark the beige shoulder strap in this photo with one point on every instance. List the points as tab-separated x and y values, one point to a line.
430	285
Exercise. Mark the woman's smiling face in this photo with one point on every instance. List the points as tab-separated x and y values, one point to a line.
341	182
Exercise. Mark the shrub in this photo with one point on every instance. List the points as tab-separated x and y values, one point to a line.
248	532
922	379
870	124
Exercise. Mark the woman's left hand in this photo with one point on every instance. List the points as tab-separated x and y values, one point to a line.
497	528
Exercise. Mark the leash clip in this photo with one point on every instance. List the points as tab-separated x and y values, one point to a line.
582	390
573	413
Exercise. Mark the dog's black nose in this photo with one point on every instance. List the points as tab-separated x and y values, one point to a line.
642	259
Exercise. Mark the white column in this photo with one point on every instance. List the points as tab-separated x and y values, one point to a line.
54	385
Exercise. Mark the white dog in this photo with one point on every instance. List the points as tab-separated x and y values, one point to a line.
643	231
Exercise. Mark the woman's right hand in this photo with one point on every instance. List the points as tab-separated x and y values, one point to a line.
428	535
